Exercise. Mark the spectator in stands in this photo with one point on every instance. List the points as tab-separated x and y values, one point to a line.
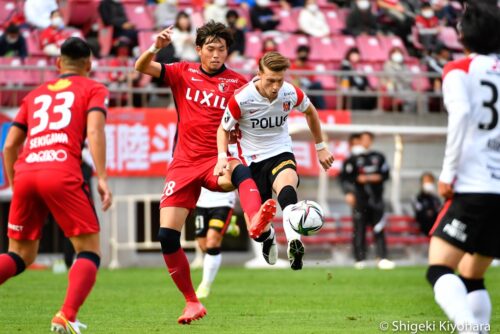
361	20
427	25
394	18
12	43
165	14
245	4
347	183
262	17
427	204
268	45
54	35
113	14
435	64
289	4
307	82
237	49
312	21
398	82
38	12
183	38
357	82
216	11
445	12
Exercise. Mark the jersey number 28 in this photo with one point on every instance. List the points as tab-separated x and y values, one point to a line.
63	103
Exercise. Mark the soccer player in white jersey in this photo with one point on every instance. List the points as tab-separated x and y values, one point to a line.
466	235
212	219
259	112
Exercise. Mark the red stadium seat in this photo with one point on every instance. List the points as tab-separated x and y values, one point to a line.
341	44
7	9
105	37
80	12
420	83
371	49
40	76
449	37
369	69
139	15
253	44
146	39
335	19
322	49
389	42
33	42
289	19
287	44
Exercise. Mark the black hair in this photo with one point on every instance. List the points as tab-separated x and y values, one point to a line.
12	29
427	174
178	17
233	13
351	51
368	133
477	25
303	48
54	11
75	48
212	32
353	137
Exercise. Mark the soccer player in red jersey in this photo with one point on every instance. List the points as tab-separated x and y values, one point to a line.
54	120
201	92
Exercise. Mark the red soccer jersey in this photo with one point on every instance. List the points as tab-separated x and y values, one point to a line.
200	100
55	118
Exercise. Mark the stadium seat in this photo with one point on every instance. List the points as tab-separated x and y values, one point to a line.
105	38
289	19
247	65
7	8
253	44
449	37
33	42
287	44
322	49
371	49
80	12
341	44
139	15
369	69
39	76
420	83
389	42
146	38
335	19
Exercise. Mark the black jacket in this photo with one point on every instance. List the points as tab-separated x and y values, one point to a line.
112	13
427	207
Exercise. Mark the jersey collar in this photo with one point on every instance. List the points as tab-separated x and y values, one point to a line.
222	69
65	75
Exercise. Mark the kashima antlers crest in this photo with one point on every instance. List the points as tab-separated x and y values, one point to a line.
223	87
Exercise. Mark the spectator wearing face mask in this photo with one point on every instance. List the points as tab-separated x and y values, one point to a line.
216	11
312	21
361	20
12	43
262	17
395	18
445	12
398	82
307	82
237	49
428	28
37	12
435	64
54	35
356	82
427	204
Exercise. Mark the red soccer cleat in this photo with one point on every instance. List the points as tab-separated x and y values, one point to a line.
262	219
192	311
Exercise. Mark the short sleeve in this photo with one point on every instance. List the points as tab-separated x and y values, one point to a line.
171	72
21	120
231	115
98	99
302	102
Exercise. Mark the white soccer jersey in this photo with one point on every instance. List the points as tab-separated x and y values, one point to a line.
263	127
214	199
471	95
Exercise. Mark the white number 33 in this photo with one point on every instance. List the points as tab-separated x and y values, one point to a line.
64	109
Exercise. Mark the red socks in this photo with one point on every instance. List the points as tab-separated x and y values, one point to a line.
8	267
250	199
178	267
82	276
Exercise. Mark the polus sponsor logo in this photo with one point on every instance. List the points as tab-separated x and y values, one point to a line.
47	156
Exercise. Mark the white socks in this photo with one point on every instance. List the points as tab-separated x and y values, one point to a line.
289	232
450	293
480	305
211	265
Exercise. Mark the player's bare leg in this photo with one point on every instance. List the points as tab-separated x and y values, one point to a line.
20	255
449	291
472	269
171	221
81	280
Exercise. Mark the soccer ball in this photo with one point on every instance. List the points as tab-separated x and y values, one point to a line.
306	217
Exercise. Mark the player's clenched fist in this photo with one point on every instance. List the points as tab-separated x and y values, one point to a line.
325	158
221	165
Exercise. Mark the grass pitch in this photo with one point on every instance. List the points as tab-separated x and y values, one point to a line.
314	300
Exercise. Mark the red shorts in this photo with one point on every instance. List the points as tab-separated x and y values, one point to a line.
65	195
184	181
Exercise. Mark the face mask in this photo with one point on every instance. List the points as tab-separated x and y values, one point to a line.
12	40
220	3
363	5
358	149
263	3
429	188
397	57
428	14
57	22
303	58
312	7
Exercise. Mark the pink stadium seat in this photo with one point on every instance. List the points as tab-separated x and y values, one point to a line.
139	15
388	42
247	65
371	49
369	69
146	38
336	20
253	44
327	80
105	38
33	42
80	12
40	76
449	37
341	44
289	19
420	83
322	49
287	44
7	8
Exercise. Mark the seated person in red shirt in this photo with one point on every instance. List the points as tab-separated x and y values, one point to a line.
304	81
427	27
54	35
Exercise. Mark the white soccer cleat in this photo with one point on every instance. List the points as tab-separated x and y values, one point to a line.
386	264
360	265
61	325
203	291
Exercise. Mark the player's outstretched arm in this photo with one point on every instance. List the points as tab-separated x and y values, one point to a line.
13	142
314	123
145	63
97	147
222	142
